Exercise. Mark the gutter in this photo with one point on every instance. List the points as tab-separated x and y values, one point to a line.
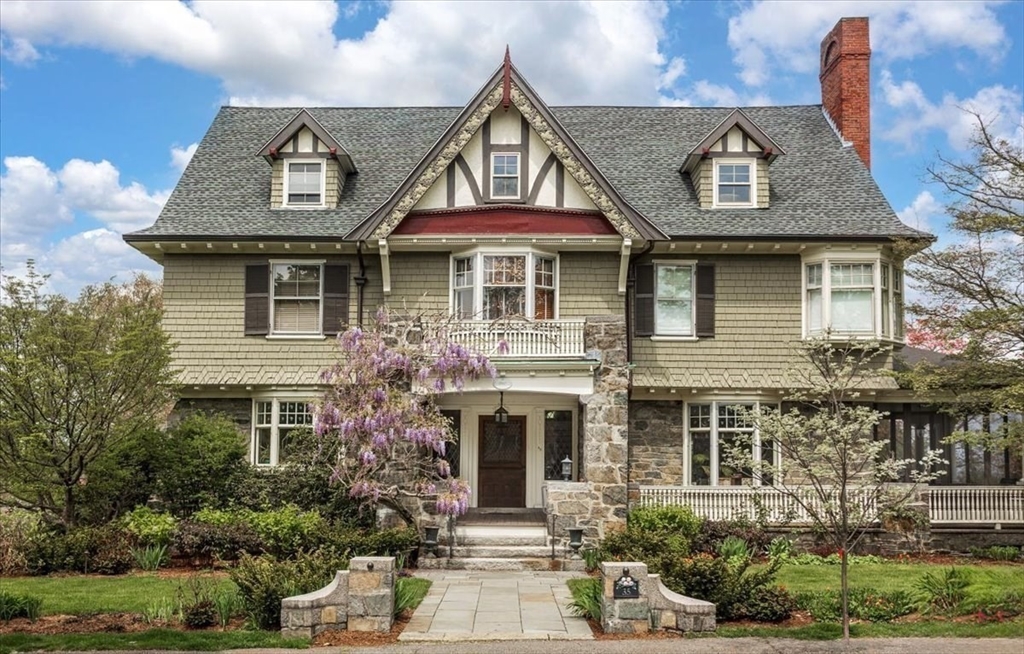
630	284
360	284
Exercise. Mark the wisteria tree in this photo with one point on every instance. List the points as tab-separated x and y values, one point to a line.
380	409
825	460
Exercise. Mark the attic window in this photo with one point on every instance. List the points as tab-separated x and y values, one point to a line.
505	175
734	183
305	183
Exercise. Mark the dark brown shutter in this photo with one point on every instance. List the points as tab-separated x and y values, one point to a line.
643	301
257	299
705	300
335	298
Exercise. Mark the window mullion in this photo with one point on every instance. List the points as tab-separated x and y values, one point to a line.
826	295
275	422
713	433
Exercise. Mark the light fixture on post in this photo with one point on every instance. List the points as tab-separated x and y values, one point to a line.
566	468
501	413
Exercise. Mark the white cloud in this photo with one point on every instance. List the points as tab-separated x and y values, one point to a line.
30	202
95	188
770	35
17	50
920	213
419	53
999	106
181	156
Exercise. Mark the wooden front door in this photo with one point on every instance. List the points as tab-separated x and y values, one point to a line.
502	467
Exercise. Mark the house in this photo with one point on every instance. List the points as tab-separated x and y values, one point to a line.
663	261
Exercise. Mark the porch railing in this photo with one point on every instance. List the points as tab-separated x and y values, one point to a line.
976	504
1003	505
542	339
734	503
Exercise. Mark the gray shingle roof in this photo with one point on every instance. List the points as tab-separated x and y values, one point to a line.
819	188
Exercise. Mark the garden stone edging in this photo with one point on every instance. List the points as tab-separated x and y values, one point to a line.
361	598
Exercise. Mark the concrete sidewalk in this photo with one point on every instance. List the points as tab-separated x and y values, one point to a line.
495	606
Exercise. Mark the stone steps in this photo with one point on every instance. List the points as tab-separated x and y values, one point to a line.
500	552
500	536
513	564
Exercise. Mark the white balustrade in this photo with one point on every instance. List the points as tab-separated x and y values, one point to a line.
976	504
746	502
542	339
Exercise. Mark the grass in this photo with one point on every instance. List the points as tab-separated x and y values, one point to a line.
80	594
924	629
409	592
159	639
985	579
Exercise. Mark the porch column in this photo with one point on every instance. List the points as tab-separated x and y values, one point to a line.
605	425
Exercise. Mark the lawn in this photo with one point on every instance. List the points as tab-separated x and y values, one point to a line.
154	639
985	579
78	594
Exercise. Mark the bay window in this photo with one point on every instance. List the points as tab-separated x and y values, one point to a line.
275	422
849	296
713	428
519	285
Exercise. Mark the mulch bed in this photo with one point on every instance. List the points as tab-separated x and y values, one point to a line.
80	624
363	638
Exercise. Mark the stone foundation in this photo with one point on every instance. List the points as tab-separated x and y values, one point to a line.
238	410
361	598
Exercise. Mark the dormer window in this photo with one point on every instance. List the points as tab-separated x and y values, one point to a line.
505	176
734	183
305	184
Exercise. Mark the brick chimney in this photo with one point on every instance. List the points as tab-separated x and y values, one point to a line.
846	82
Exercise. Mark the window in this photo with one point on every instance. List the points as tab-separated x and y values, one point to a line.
673	302
276	423
734	183
511	285
305	183
558	439
714	427
504	176
850	297
296	292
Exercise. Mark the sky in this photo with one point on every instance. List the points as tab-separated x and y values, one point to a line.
102	103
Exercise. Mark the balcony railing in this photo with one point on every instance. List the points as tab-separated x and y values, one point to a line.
988	505
541	339
1002	505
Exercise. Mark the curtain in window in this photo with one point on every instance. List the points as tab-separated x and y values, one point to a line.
674	306
852	296
504	287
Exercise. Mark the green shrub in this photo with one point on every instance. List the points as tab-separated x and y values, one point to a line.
1006	603
945	591
807	558
91	550
282	532
203	455
264	581
864	604
767	604
726	583
196	601
150	527
823	606
203	542
781	549
634	544
361	542
586	598
677	520
996	552
712	533
13	605
150	557
17	530
122	477
734	548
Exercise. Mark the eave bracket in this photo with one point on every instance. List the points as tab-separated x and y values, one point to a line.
385	264
627	246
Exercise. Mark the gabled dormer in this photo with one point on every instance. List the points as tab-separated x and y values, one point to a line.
729	168
309	165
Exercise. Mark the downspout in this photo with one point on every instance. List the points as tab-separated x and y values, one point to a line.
360	284
630	283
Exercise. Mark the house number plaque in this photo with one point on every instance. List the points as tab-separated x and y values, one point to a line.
625	586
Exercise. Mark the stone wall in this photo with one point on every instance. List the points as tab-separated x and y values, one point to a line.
656	442
361	598
653	607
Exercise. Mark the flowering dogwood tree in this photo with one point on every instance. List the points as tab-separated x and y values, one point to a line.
380	408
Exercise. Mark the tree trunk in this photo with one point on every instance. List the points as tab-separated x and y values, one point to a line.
844	591
68	515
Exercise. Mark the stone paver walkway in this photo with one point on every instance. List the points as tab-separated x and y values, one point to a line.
480	605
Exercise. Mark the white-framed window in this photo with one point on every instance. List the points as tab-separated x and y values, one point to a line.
296	292
673	299
735	184
713	427
509	285
274	423
853	295
504	175
304	183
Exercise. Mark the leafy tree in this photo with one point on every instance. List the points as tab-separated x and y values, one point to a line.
829	463
202	458
379	408
972	289
77	377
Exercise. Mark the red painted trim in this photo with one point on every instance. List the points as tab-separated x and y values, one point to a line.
506	83
503	220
